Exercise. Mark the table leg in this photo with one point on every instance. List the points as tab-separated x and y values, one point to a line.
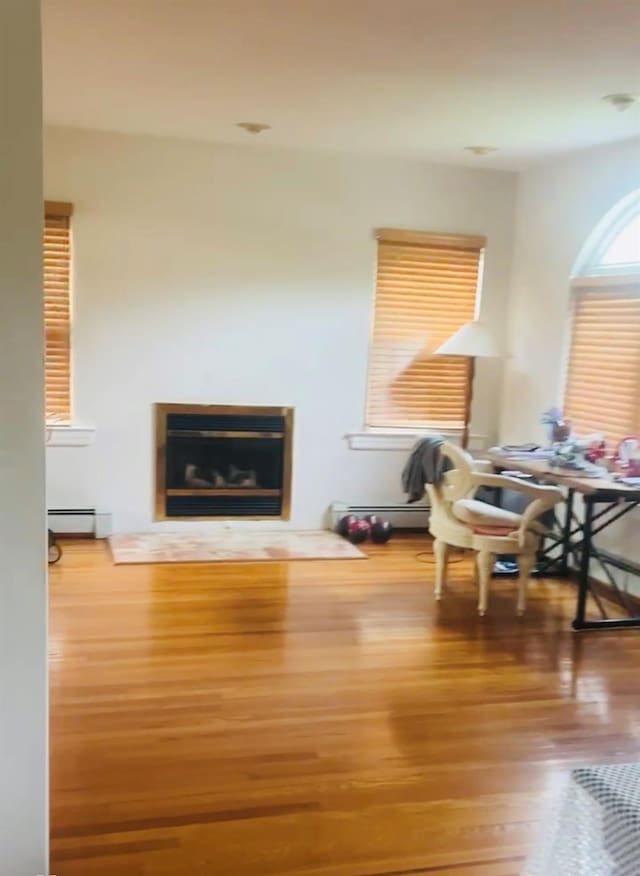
566	534
585	557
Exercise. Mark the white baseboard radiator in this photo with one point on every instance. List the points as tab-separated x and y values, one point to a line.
401	516
79	521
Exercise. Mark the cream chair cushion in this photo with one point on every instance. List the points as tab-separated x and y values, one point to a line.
488	519
477	514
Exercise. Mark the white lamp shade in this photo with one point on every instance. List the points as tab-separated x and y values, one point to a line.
473	339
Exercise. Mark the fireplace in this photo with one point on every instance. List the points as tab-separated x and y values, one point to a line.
217	461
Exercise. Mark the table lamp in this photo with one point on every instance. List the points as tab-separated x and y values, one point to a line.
474	340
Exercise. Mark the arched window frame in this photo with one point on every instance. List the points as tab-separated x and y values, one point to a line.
589	264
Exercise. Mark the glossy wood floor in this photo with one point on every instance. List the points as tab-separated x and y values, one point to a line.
320	718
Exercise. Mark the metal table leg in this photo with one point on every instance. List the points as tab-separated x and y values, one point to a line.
585	557
587	551
566	534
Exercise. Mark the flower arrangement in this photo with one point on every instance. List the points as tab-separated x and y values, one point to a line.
559	428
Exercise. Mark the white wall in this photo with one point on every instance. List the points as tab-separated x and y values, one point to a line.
23	595
234	275
558	206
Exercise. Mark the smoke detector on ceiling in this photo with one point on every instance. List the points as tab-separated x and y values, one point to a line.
481	150
622	101
253	127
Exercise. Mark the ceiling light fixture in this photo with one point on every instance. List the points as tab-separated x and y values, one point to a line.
481	150
253	127
622	101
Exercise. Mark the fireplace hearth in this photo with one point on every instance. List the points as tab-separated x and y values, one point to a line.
217	461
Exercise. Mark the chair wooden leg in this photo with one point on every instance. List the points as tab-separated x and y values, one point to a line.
484	562
526	563
441	552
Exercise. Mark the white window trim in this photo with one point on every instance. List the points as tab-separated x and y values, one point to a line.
606	279
69	436
404	439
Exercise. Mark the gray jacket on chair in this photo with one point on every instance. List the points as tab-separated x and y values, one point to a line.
425	465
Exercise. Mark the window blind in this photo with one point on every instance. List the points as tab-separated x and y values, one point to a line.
426	289
57	312
603	386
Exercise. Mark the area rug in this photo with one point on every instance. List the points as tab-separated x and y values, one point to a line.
230	547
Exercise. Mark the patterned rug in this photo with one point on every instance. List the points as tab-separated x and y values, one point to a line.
230	547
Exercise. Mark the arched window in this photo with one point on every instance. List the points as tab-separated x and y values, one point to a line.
602	392
623	253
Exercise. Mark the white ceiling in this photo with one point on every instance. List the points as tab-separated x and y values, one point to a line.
415	78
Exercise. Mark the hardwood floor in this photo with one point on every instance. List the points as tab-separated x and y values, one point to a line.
321	718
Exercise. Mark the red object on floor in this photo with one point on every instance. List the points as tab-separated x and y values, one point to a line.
342	527
358	531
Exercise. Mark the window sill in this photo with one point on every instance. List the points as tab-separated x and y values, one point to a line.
69	436
390	439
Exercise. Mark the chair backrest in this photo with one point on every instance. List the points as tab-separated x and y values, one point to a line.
457	482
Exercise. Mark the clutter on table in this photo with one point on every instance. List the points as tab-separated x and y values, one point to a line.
587	455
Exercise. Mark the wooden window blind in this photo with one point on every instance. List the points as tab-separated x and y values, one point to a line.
426	289
603	379
57	311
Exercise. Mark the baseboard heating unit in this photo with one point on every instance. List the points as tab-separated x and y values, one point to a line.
79	522
401	516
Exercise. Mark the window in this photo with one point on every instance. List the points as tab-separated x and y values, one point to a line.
57	312
624	249
602	391
426	289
